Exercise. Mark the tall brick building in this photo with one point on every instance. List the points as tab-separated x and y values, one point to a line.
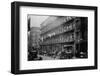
35	36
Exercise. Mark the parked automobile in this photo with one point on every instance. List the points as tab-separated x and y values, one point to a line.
81	55
33	55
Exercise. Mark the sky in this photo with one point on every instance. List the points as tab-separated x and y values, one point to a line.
36	20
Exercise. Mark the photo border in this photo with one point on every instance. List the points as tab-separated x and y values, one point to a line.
15	37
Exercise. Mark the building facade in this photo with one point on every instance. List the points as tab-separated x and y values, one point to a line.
35	36
63	37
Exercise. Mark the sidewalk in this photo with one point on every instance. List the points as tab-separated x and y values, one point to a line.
46	57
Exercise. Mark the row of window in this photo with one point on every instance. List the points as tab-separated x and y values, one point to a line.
60	39
59	30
